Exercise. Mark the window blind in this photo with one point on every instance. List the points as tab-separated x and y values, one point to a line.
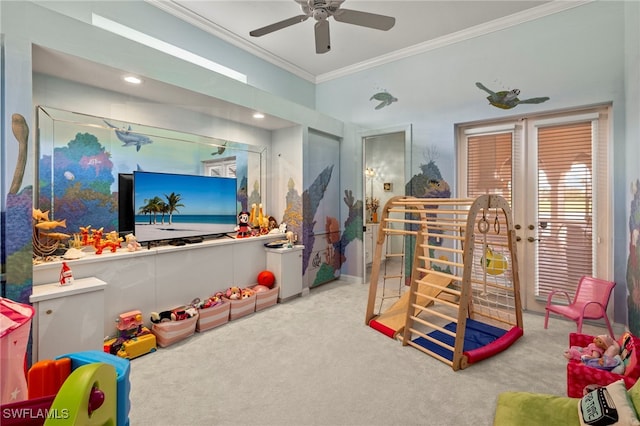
565	206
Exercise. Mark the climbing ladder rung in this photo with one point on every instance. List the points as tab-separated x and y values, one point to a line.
441	274
436	313
393	276
395	255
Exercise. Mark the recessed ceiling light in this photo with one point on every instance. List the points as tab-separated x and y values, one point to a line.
258	115
132	79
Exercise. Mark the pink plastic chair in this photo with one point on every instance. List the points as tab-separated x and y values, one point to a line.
590	302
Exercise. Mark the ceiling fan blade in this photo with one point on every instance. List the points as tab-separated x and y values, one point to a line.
278	25
323	43
364	19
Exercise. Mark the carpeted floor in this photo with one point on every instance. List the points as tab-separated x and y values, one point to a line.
313	361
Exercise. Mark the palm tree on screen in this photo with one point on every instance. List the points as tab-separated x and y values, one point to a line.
173	202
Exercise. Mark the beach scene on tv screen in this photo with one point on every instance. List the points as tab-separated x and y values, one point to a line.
173	206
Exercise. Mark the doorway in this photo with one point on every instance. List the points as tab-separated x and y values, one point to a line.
386	160
554	171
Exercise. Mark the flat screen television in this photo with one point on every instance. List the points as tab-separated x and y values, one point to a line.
177	206
125	204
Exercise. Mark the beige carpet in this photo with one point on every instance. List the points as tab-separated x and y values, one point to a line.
312	361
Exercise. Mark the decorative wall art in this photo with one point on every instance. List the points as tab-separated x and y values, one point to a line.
507	99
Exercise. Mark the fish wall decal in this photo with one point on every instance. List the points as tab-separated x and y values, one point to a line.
129	138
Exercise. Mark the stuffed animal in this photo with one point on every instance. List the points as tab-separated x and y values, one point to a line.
158	317
233	293
132	243
247	293
243	229
594	350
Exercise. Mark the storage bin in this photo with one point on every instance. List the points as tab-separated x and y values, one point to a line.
267	298
242	307
212	317
170	332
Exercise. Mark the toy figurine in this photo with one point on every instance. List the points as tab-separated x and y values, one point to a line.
132	243
243	229
66	277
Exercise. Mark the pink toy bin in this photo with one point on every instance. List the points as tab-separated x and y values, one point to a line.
265	299
212	317
169	332
242	307
15	326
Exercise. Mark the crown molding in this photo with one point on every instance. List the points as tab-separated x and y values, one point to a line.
554	6
222	33
550	8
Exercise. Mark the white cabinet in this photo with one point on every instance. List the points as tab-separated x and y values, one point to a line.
68	318
370	239
286	265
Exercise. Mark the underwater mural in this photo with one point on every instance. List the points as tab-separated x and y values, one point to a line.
292	215
633	263
335	257
79	189
310	201
426	184
81	157
17	252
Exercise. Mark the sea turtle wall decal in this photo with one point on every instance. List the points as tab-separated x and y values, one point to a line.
508	99
385	99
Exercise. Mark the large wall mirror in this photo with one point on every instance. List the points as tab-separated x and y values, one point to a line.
80	159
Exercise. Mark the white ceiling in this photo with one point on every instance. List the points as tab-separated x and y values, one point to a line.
420	25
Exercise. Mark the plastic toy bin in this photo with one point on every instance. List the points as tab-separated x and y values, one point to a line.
170	332
123	385
212	317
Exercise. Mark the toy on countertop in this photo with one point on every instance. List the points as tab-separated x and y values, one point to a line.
66	276
132	242
84	235
243	229
594	350
291	239
45	242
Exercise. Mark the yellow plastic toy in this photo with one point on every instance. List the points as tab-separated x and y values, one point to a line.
495	263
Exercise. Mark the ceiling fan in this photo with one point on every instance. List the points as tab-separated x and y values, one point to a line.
321	10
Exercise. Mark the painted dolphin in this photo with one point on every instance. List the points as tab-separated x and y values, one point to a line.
128	138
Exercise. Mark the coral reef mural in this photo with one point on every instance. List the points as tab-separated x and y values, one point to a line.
293	212
426	184
310	201
633	263
352	231
80	188
17	249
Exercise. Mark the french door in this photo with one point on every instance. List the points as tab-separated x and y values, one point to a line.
554	170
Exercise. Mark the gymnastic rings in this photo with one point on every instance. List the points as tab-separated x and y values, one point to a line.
483	225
